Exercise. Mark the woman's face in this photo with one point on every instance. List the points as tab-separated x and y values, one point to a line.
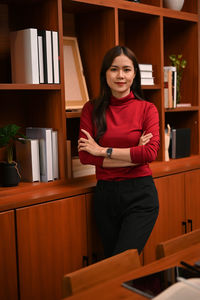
120	76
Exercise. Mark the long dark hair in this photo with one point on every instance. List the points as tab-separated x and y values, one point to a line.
101	103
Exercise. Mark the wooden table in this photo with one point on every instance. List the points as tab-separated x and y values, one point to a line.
112	289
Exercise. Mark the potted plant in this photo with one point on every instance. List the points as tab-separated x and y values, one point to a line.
9	134
180	64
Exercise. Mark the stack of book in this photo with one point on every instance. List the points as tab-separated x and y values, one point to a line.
35	56
170	87
38	155
146	73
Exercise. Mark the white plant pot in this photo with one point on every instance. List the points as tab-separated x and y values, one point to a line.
174	4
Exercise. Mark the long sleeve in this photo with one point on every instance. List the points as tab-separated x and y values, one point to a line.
87	124
148	153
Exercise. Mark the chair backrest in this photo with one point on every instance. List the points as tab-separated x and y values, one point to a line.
178	243
99	272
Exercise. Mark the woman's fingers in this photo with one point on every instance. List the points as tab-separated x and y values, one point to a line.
86	133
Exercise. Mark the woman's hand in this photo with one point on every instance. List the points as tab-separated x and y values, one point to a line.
89	145
145	138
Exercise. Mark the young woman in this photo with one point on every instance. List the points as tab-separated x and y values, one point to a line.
119	134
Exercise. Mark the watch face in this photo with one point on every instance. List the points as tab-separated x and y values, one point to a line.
109	152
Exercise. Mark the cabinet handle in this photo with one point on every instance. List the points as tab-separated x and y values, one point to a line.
85	261
190	222
185	225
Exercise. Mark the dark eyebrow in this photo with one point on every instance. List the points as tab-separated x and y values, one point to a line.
122	66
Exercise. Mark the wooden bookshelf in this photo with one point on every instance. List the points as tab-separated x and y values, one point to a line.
41	218
158	32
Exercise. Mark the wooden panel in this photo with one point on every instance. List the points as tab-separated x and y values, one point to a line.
192	184
52	242
8	264
171	213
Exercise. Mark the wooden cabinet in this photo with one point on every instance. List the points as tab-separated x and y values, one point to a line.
192	198
179	209
51	242
171	213
8	258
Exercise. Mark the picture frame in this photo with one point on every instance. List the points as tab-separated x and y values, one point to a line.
76	94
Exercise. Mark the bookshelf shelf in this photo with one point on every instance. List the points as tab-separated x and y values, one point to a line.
12	86
182	109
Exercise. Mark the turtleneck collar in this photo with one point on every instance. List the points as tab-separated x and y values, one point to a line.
121	101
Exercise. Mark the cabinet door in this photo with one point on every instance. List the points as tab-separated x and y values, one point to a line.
52	242
95	248
171	213
8	263
192	185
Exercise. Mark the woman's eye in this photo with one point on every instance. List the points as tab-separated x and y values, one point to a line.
127	70
113	69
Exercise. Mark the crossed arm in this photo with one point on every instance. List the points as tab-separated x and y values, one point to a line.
120	156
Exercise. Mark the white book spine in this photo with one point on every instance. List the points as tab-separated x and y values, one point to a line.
49	57
35	161
146	67
55	154
55	51
41	60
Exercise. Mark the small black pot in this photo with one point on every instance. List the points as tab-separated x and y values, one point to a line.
9	174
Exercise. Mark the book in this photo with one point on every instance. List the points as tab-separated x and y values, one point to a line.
41	60
146	67
184	289
27	156
179	142
147	81
170	87
24	56
47	55
55	53
183	105
146	74
55	154
156	284
44	135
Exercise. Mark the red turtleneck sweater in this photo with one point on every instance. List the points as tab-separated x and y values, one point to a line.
127	118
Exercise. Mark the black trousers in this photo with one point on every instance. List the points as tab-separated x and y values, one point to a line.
125	212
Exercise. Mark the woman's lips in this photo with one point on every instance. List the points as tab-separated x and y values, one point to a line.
120	83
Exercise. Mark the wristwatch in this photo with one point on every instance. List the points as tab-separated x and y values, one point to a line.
109	152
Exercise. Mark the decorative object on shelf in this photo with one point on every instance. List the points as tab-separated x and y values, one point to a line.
134	1
180	64
174	4
76	93
9	134
167	142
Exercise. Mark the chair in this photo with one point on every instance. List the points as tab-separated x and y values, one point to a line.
178	243
99	272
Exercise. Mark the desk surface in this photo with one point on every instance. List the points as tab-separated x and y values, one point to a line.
112	289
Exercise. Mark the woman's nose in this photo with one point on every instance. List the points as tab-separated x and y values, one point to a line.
120	74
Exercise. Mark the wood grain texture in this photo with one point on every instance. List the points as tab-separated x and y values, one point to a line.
178	243
8	259
100	272
171	213
51	243
192	184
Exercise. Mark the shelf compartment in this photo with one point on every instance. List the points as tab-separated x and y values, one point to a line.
181	37
186	119
92	40
135	31
17	15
